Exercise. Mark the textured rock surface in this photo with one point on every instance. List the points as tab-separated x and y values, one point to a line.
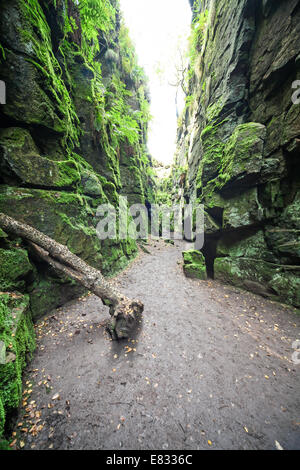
194	264
64	138
72	136
17	335
240	140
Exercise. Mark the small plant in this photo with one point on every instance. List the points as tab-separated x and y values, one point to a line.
196	39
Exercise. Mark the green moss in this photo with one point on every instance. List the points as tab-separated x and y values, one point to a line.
197	38
243	153
276	281
116	255
253	245
17	333
21	160
193	256
48	292
14	265
2	419
2	234
214	110
287	287
212	155
194	264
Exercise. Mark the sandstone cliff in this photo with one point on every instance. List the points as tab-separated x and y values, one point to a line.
72	136
239	142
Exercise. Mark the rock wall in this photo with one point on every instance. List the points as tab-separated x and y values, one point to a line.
72	136
239	141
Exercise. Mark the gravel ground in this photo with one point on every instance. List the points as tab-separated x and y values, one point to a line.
209	368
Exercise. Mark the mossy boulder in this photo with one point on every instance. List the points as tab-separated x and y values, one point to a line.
132	184
20	162
116	255
194	264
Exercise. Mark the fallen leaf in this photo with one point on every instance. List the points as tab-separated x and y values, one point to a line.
278	446
56	396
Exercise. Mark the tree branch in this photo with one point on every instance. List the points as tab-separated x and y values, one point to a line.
124	312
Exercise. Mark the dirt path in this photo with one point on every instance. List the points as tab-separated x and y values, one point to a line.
211	368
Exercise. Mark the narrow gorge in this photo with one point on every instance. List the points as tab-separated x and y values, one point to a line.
214	360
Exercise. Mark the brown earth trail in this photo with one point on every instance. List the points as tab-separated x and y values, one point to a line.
210	367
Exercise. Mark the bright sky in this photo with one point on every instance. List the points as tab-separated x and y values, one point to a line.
158	29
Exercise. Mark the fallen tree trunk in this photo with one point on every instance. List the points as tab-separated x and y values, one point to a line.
124	311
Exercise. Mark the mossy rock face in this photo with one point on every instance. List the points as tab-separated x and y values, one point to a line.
290	217
236	212
250	246
49	292
260	277
62	105
210	225
29	104
65	217
91	185
132	185
284	236
116	255
12	23
212	152
14	266
243	154
285	243
3	234
20	162
240	138
92	147
194	264
243	210
244	272
287	287
17	333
